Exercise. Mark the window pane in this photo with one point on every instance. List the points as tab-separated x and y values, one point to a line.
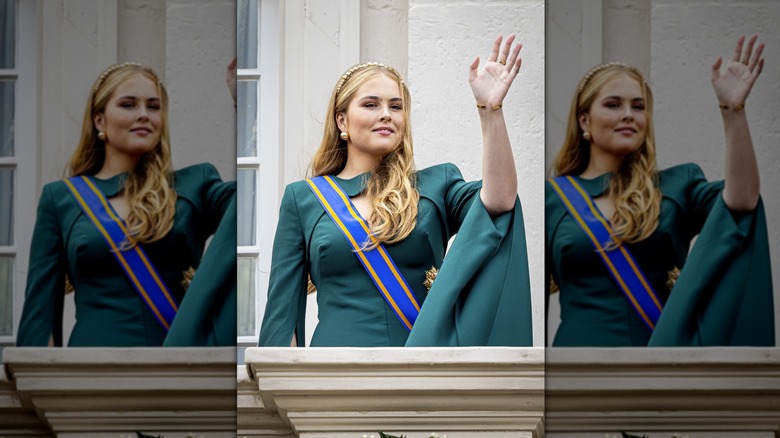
7	33
246	296
246	207
7	89
6	208
6	294
247	33
247	118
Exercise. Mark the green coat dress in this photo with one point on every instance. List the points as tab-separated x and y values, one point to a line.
723	295
109	311
480	296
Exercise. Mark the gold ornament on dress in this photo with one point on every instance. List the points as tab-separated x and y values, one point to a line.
68	285
672	278
187	277
430	275
553	286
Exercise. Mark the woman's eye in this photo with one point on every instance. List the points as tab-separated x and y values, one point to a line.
639	107
370	105
397	107
154	107
613	105
127	104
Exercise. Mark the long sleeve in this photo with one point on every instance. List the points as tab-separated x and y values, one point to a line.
481	295
723	295
207	314
45	290
286	306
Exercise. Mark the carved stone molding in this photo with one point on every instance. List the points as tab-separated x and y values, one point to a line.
696	391
109	391
347	392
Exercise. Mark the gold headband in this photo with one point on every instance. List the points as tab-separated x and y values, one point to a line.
107	72
596	69
358	67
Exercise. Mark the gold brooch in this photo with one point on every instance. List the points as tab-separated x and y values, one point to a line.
187	277
430	275
672	278
68	285
553	286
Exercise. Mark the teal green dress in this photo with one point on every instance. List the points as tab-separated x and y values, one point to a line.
109	311
723	295
480	296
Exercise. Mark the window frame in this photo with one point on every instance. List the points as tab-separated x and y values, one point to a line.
25	75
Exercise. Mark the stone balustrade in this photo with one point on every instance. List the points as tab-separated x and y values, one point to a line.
108	392
351	392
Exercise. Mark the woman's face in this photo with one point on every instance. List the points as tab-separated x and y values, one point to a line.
132	119
617	119
374	118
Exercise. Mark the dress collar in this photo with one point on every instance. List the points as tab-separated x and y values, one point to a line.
110	186
596	186
353	186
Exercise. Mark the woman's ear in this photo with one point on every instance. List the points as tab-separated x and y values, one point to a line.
584	121
99	121
341	121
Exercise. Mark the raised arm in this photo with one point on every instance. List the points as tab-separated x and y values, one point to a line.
499	176
732	87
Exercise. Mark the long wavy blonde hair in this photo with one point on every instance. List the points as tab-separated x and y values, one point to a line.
149	185
634	187
391	188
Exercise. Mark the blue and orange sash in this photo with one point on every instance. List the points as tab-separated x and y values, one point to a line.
380	267
134	261
618	260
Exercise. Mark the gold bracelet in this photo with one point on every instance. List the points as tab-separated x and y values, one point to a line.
497	107
736	108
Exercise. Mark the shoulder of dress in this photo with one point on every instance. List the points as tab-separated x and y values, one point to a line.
201	171
675	181
681	171
442	170
554	209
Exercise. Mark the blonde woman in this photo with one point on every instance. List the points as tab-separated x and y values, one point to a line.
404	218
618	231
129	287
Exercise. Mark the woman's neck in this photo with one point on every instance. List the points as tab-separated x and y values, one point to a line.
601	163
359	164
114	164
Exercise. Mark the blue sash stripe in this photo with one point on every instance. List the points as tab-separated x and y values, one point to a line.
618	260
377	262
133	261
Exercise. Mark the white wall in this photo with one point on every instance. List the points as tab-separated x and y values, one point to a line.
687	39
675	44
444	37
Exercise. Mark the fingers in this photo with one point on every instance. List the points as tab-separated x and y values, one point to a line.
746	56
716	68
738	49
510	62
473	68
496	46
516	67
756	57
505	50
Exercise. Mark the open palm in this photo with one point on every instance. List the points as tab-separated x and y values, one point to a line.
732	86
491	85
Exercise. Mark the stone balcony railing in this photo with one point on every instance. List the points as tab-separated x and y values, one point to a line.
351	392
348	393
695	392
109	392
